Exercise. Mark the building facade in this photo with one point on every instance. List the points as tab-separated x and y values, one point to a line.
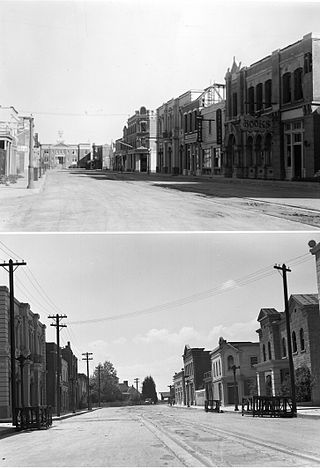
136	150
179	388
196	362
232	371
30	369
51	352
273	366
273	115
71	377
60	155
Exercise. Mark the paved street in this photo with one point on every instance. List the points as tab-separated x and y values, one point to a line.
79	200
166	436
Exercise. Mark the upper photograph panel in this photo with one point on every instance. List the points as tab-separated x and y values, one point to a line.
143	115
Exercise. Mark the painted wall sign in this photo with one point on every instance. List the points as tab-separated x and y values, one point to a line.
255	124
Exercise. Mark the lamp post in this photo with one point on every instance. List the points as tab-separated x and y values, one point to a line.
22	359
235	389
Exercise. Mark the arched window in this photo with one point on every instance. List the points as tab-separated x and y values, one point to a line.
301	339
286	88
269	351
251	100
230	362
258	150
259	96
268	93
297	80
284	347
294	342
249	151
264	353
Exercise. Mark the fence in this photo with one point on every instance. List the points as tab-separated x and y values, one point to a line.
33	417
277	407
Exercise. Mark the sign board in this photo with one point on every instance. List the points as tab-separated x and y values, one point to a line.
249	123
23	148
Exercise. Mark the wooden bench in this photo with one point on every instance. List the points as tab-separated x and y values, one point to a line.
274	407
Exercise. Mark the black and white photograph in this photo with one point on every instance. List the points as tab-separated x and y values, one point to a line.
159	233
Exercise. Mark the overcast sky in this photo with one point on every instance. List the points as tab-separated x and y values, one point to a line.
82	67
212	279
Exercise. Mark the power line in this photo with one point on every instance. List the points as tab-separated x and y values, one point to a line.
220	289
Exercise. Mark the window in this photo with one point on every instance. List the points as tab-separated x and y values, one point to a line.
269	351
268	149
253	360
297	79
288	150
307	62
234	104
251	99
264	352
268	93
301	333
230	362
284	347
294	342
259	96
286	87
185	123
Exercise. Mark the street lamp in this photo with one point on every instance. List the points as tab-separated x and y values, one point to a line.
236	396
22	359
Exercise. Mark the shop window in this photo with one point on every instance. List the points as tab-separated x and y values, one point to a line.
288	150
286	88
268	93
259	153
284	347
269	351
307	62
259	96
234	104
251	100
294	342
297	79
301	333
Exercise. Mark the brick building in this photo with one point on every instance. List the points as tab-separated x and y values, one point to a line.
136	150
29	347
196	362
273	366
71	377
315	250
179	388
51	352
273	114
220	379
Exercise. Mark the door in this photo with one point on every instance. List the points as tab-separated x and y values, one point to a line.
297	160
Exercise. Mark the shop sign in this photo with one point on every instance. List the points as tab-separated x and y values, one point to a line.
255	124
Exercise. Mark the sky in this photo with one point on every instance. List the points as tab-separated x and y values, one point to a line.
137	299
82	67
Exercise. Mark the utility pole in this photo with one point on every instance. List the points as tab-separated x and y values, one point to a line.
11	270
87	358
58	326
99	385
284	270
137	383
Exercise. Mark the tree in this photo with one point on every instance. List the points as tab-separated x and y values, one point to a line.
149	389
303	384
109	390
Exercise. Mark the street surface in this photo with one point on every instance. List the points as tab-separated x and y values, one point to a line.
166	436
80	200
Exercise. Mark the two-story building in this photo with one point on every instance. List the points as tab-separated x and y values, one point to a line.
30	368
273	367
196	361
232	372
273	114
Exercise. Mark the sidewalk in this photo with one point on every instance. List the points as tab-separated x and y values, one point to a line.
19	188
302	411
6	428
